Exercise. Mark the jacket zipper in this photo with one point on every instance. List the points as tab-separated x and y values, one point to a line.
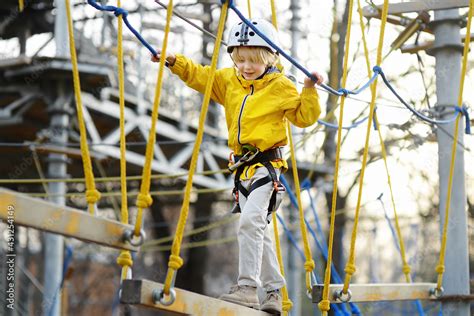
242	111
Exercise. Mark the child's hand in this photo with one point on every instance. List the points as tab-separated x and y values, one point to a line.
308	83
170	58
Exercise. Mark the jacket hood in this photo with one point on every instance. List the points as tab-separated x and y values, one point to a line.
269	75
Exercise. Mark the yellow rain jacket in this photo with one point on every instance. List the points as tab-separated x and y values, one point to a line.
255	110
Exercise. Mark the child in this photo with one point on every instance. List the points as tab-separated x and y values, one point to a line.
257	99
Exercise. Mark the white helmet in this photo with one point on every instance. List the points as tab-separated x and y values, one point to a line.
242	35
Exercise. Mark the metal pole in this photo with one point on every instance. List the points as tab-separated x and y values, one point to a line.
141	108
295	289
57	168
448	53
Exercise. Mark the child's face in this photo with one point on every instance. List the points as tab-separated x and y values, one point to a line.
248	67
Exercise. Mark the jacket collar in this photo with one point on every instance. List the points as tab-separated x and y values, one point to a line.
269	75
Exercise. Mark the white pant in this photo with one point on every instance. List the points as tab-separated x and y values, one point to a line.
258	264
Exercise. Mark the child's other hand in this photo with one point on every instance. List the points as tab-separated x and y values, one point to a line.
170	58
308	83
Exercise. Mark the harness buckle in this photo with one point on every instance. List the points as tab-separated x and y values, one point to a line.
247	157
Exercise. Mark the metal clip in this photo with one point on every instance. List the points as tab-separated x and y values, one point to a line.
235	208
248	156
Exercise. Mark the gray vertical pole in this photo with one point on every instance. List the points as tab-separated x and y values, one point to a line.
141	108
57	168
448	53
295	288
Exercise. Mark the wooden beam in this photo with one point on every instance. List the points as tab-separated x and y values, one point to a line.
378	292
415	6
413	48
62	220
141	292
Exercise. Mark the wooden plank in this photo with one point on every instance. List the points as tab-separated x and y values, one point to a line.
412	48
378	292
140	292
415	6
63	220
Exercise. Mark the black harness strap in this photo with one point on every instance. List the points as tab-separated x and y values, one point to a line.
255	185
264	158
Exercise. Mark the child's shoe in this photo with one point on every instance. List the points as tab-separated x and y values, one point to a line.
242	295
272	303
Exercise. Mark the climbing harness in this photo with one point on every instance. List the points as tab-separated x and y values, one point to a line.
250	158
247	33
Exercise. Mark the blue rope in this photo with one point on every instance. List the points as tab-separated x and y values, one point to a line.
335	275
392	229
339	92
459	110
365	86
374	120
295	244
124	13
67	261
342	91
325	255
395	240
353	125
389	309
116	300
290	237
335	126
372	262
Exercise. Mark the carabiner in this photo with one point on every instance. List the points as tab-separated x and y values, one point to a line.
245	158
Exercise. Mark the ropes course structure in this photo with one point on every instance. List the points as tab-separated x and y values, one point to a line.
130	238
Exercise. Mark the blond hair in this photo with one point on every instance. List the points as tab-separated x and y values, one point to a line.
259	55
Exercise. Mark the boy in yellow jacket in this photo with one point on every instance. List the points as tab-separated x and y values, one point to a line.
257	99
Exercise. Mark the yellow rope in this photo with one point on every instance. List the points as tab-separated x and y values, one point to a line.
125	258
92	195
405	266
196	244
364	38
249	7
115	205
309	263
21	5
440	267
274	14
287	304
175	261
227	220
110	179
39	169
350	266
324	305
152	193
144	199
